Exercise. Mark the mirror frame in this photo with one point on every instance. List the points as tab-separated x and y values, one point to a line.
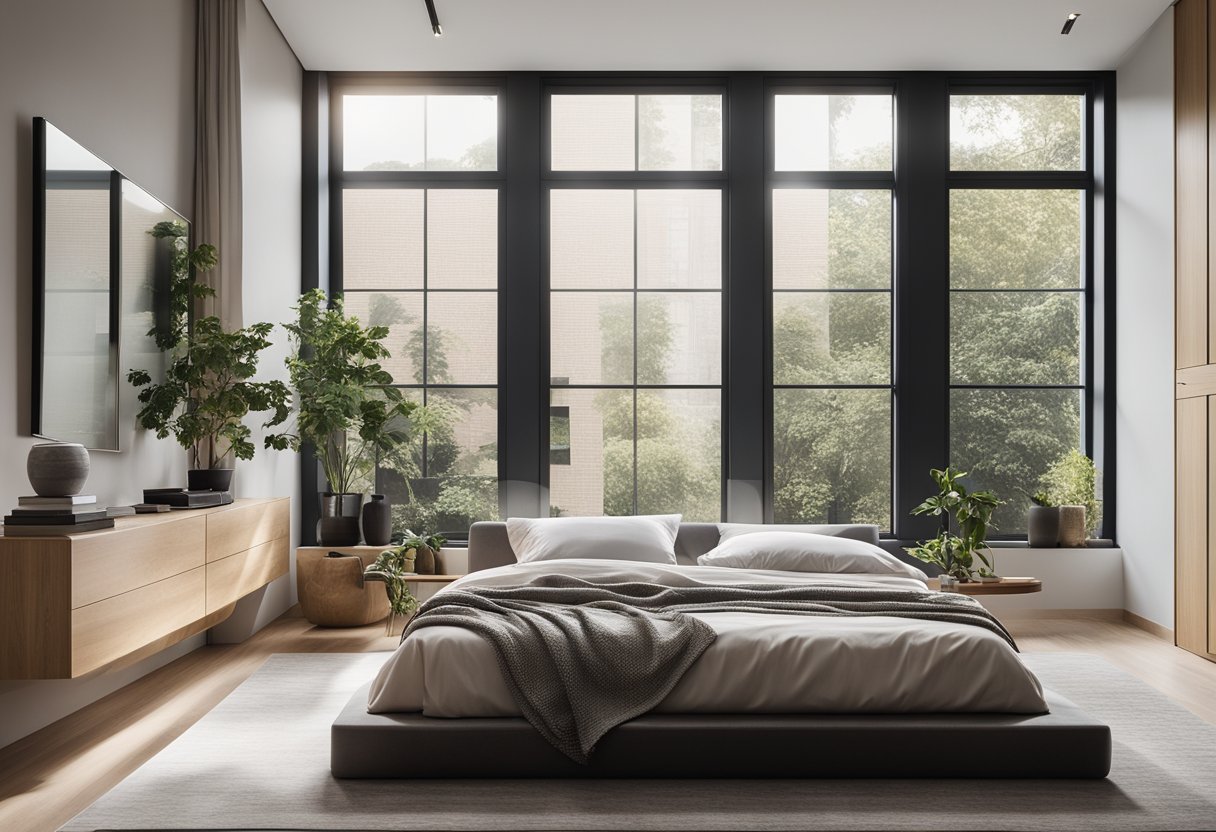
38	301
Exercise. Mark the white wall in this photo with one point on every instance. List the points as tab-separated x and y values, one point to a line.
271	126
118	77
1145	323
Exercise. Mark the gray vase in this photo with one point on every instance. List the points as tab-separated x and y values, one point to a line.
57	469
1043	527
377	522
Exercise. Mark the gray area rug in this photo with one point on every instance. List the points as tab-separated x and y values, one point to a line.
260	760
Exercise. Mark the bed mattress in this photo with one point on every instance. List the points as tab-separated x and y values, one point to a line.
759	664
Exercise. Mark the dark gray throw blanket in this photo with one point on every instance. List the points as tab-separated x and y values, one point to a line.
581	658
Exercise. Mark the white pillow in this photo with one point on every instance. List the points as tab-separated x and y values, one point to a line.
645	539
806	552
728	530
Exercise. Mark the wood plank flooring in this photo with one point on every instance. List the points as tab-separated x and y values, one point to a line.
48	777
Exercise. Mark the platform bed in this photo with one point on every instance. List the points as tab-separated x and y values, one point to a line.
1063	743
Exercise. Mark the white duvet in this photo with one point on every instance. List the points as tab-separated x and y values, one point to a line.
760	663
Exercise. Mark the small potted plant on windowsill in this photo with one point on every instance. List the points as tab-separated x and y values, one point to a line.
396	566
207	389
1042	522
971	511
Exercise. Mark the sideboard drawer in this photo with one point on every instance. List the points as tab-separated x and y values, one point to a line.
241	528
117	626
237	575
104	565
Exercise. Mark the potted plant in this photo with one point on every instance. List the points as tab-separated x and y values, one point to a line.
971	511
346	408
1042	521
207	389
1072	483
395	566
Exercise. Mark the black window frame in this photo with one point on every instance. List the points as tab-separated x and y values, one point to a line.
920	288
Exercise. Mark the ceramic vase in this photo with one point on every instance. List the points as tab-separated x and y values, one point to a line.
1043	527
377	521
1072	526
57	469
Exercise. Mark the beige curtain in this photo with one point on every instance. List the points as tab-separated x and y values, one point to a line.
217	159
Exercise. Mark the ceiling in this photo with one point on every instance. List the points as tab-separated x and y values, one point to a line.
367	35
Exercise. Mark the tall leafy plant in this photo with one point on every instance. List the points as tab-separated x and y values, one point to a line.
346	407
956	548
208	388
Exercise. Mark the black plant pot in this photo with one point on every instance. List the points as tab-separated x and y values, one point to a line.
339	524
377	521
1043	527
209	479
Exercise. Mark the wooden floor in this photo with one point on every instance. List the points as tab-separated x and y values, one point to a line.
48	777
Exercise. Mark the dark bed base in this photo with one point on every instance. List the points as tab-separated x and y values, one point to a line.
1063	743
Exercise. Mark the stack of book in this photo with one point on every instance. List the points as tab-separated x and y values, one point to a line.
39	516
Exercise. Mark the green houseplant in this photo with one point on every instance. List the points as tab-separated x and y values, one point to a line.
955	552
346	408
1072	481
395	566
207	388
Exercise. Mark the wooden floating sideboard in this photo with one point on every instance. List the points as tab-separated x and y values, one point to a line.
73	604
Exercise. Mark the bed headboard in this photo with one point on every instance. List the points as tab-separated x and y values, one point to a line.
489	546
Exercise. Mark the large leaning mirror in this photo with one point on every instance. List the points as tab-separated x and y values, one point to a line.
100	283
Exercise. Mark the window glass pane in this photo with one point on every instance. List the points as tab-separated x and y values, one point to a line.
1016	132
832	456
679	338
831	239
461	482
592	132
591	337
679	456
401	312
1007	439
462	338
679	132
591	239
462	239
601	439
383	132
1014	238
831	338
461	132
1015	337
382	244
679	239
833	132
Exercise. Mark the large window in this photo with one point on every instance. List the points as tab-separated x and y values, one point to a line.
1017	289
635	279
420	255
831	319
749	297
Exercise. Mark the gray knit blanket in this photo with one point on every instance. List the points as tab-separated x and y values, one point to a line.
580	658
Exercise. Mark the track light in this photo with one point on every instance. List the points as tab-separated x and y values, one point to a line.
430	9
1072	18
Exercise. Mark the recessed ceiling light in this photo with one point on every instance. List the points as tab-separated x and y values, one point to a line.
430	10
1072	18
